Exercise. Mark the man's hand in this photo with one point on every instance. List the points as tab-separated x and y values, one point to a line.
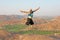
24	11
37	9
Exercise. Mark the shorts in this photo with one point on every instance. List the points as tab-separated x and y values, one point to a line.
29	21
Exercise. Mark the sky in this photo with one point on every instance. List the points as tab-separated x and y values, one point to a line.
47	7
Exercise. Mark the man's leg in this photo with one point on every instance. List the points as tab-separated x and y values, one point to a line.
27	23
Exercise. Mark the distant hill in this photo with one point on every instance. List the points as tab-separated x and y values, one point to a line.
10	17
41	19
17	17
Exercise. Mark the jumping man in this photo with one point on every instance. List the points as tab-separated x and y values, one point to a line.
30	15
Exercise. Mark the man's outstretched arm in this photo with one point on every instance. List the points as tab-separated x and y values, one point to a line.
36	9
24	11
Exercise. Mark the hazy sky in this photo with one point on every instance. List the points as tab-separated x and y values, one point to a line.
47	7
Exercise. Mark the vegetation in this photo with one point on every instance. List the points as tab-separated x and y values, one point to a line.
14	28
36	32
17	29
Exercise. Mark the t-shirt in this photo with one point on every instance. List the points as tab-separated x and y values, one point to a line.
30	15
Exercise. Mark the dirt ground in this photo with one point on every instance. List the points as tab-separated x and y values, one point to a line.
51	25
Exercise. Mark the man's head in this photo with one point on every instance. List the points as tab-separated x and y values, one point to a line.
30	10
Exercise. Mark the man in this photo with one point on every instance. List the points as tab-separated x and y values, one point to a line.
30	15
